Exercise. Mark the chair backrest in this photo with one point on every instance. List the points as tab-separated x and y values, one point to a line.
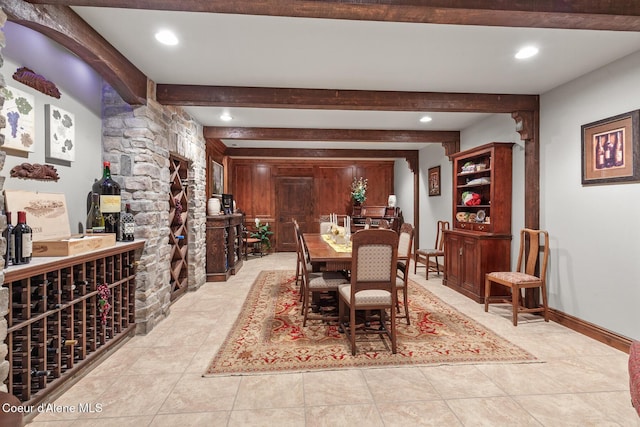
532	242
405	241
442	225
374	260
384	224
303	256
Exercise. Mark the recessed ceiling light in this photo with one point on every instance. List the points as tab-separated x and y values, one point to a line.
167	37
527	52
225	117
425	119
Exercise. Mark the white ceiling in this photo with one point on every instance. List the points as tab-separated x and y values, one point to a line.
244	50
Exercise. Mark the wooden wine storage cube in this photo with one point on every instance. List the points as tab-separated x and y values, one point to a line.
55	327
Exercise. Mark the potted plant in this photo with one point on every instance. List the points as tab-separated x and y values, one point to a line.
263	232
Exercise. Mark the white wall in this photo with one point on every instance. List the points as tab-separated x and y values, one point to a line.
595	259
433	208
403	188
81	95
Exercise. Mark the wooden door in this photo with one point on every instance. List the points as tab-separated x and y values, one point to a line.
294	199
471	279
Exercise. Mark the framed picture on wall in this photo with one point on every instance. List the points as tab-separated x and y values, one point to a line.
434	181
610	150
60	134
19	110
217	183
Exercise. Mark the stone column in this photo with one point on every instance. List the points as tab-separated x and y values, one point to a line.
138	141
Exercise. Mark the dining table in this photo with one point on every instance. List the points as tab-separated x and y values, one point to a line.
324	252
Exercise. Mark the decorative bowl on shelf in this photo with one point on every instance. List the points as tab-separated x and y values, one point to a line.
462	216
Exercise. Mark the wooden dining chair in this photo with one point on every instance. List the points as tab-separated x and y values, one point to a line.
529	257
423	256
405	246
315	284
367	223
372	286
300	259
383	224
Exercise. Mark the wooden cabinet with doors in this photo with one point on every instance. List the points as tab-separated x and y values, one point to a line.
480	240
469	255
224	246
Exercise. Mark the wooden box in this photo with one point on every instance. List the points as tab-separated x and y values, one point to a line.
73	245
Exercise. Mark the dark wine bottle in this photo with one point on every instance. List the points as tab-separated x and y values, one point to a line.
8	237
110	202
22	240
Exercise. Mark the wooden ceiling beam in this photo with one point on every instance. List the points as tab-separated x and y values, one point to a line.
64	26
352	135
621	15
335	99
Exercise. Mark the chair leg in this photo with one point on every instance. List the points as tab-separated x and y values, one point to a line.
487	293
515	302
352	329
437	266
394	344
405	299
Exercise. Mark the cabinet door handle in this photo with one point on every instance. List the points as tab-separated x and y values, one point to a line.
460	252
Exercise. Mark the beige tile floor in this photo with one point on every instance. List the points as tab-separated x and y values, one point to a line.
155	380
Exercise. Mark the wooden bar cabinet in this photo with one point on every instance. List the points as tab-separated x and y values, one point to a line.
224	246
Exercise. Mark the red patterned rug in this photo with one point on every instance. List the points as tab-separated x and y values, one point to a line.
268	336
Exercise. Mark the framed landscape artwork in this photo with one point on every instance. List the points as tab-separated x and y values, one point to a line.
19	109
434	181
60	139
610	150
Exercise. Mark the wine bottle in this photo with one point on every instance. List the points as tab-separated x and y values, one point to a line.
22	240
128	224
8	237
110	202
36	373
95	219
618	152
600	154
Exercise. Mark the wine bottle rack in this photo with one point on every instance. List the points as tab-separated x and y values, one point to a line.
178	235
54	325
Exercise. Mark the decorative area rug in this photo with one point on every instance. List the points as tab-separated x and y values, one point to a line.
268	336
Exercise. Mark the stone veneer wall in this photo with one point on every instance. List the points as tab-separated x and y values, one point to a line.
138	141
4	292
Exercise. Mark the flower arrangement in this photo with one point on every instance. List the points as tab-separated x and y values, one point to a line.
262	232
359	189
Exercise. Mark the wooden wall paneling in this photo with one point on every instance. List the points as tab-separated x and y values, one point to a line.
242	188
263	202
380	182
333	185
